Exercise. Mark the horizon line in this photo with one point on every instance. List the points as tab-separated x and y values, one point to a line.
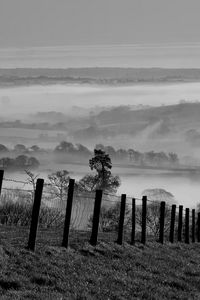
144	45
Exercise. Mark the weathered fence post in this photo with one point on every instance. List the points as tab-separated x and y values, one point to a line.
193	226
198	228
180	223
162	222
35	214
144	219
133	222
1	179
172	223
96	216
70	194
187	226
121	219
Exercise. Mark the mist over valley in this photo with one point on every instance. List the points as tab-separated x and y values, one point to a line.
154	118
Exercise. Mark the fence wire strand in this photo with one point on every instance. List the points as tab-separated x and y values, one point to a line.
52	214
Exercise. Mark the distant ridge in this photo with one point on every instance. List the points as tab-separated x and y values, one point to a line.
112	76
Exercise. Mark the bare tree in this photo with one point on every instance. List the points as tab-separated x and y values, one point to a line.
31	179
58	183
153	210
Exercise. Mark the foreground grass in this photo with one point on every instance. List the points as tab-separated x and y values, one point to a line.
107	271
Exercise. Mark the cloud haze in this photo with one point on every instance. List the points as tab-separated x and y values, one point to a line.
67	22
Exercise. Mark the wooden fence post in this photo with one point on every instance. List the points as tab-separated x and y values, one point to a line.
180	223
187	226
68	213
198	228
96	216
193	226
121	219
35	214
162	222
1	179
144	219
172	223
133	222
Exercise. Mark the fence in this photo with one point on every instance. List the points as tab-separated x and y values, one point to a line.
27	216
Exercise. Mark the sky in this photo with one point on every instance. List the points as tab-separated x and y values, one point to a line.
99	33
31	23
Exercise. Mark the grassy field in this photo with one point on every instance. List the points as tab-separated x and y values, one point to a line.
108	271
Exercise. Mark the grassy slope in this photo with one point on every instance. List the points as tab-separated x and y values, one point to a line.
108	271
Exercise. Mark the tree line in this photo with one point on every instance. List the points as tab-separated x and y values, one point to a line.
150	158
20	162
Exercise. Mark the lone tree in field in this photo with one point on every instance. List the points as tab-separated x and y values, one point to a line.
103	179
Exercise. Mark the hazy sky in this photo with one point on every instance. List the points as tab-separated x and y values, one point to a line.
25	23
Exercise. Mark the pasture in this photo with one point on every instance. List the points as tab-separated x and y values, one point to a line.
107	271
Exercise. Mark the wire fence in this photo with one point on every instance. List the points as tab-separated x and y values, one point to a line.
16	207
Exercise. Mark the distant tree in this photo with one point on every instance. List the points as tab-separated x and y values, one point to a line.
173	158
3	149
150	157
65	147
33	162
111	151
35	148
138	157
161	158
6	162
21	161
122	154
131	154
20	148
156	158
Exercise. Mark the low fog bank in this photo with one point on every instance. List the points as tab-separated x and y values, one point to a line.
79	99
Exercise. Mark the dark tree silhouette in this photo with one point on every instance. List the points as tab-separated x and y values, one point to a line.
101	162
103	180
